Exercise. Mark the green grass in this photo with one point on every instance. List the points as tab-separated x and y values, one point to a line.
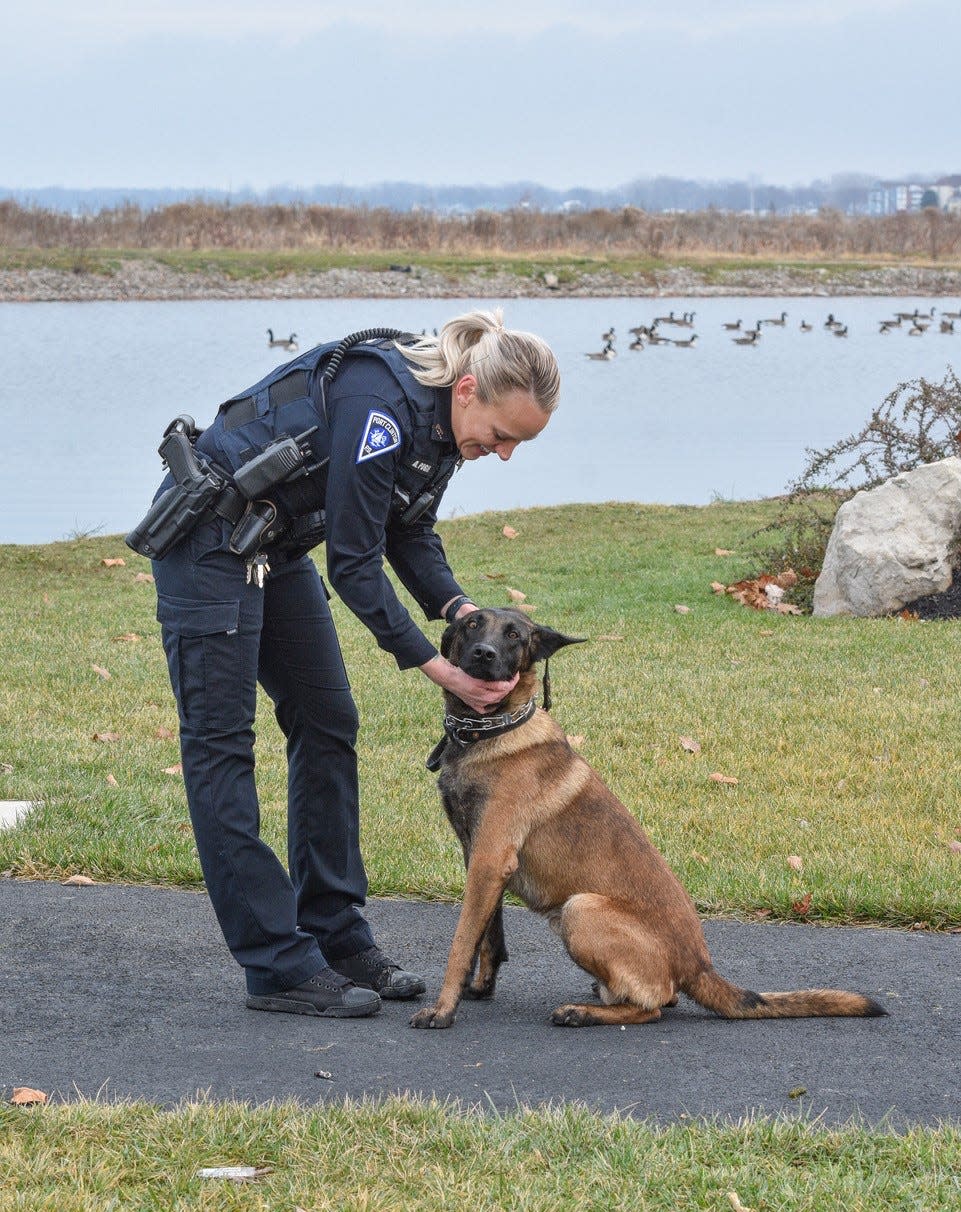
260	265
840	732
402	1155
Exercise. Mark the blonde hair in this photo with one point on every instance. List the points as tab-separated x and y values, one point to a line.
500	359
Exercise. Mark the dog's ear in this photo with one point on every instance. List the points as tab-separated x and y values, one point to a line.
545	642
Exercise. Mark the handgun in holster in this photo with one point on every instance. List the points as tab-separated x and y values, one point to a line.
177	511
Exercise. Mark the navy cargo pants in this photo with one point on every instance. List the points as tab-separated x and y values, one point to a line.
221	636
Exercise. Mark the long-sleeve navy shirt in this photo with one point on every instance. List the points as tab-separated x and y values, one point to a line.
362	527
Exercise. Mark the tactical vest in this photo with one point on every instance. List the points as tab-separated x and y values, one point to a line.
291	402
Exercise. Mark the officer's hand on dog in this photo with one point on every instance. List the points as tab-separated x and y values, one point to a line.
479	695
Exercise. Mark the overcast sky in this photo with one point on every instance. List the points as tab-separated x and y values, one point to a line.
228	93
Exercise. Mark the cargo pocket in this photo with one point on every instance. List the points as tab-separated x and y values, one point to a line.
213	667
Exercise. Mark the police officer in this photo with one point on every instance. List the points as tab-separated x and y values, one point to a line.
393	424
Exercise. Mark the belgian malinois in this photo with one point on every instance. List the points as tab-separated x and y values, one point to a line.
532	816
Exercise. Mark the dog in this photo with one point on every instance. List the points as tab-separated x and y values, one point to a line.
534	818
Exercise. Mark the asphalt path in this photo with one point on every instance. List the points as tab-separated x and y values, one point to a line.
129	993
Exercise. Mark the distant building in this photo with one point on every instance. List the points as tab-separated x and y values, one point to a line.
888	197
948	190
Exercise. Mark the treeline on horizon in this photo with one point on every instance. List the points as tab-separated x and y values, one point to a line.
626	231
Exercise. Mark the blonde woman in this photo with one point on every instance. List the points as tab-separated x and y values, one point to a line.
351	444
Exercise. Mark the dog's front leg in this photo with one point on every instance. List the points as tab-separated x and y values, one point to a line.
490	955
487	878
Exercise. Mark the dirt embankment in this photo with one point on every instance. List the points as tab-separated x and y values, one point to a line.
141	280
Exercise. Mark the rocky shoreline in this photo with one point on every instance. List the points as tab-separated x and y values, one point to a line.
150	280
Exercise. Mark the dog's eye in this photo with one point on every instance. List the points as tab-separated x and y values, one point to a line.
472	624
513	635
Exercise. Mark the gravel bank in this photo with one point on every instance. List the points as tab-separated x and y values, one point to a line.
150	280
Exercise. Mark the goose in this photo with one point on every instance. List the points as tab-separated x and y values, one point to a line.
947	326
688	344
916	330
830	322
735	327
805	327
608	337
284	342
605	355
778	323
637	343
887	325
668	319
951	315
749	338
841	330
643	330
687	321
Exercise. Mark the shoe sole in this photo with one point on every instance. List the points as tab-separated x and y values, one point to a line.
283	1005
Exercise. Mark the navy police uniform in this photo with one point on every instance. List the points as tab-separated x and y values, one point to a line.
389	440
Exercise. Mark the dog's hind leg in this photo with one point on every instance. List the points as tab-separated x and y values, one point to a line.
632	970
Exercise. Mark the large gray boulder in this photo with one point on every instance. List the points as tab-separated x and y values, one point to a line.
893	543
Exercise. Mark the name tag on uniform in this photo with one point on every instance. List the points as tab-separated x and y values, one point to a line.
381	434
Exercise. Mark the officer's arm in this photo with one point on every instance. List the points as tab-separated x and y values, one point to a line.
357	508
417	555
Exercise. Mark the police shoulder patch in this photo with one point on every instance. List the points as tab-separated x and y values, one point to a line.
381	434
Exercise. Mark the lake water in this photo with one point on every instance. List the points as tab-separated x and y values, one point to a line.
88	388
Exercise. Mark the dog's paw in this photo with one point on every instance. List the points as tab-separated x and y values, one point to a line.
429	1017
570	1016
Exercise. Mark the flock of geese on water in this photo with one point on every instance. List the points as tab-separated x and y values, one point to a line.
915	323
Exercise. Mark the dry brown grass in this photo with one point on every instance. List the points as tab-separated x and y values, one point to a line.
928	235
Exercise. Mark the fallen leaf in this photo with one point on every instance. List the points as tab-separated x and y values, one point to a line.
101	672
689	743
526	607
920	926
797	1091
728	779
788	608
802	906
576	741
718	587
106	736
144	577
113	562
515	595
762	913
77	881
178	769
164	734
701	858
509	532
766	632
111	781
954	847
736	1202
795	862
327	1076
6	768
128	637
722	551
494	576
23	1096
683	609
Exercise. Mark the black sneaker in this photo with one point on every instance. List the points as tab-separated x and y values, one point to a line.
328	994
371	969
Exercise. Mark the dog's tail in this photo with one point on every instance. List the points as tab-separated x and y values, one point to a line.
711	990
